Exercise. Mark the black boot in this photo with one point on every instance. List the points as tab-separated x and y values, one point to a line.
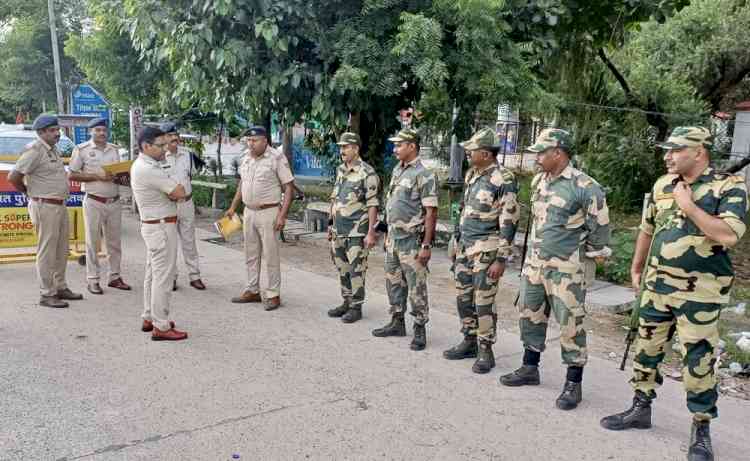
570	397
352	315
527	375
637	416
420	338
466	349
486	360
396	327
700	442
339	311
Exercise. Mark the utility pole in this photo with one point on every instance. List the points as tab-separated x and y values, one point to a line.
55	56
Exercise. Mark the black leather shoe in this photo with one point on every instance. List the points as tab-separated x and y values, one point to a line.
466	349
700	442
638	416
571	396
527	375
51	301
420	338
339	311
68	295
352	315
486	360
396	327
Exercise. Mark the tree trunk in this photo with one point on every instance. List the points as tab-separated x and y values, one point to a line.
218	148
286	145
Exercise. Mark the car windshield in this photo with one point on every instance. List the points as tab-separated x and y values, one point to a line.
14	145
11	146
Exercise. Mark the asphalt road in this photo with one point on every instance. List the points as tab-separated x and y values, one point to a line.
85	383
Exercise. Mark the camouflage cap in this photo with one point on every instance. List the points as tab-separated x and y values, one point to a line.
688	136
482	139
349	138
406	135
551	137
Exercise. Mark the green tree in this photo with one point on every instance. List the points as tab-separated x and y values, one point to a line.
108	60
26	69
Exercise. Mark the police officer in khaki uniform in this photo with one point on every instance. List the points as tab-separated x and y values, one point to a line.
181	167
46	186
102	210
264	175
156	193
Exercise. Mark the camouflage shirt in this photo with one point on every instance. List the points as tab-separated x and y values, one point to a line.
684	263
570	221
490	211
413	187
355	191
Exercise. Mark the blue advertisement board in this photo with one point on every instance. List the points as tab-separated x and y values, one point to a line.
87	101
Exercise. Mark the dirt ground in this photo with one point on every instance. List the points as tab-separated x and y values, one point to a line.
606	331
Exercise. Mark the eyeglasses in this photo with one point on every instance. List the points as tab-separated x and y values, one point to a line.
160	145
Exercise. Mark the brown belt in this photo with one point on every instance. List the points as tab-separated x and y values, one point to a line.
53	201
104	199
263	207
168	219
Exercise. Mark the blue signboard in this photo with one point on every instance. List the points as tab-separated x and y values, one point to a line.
87	101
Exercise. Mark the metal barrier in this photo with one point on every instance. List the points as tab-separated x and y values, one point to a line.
18	239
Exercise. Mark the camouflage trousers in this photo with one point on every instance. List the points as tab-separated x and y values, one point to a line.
404	275
350	257
545	290
475	294
696	323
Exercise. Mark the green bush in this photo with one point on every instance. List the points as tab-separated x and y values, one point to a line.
202	195
627	166
617	268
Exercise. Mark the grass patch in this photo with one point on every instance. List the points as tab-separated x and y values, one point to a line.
733	353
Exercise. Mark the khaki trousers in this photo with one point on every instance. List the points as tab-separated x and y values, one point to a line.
261	243
103	218
51	225
161	264
186	234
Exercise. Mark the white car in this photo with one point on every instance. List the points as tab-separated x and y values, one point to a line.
13	141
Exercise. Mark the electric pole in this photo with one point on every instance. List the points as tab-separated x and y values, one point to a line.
55	57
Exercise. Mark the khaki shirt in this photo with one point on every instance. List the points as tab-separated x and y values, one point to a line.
151	186
263	177
89	159
180	167
44	171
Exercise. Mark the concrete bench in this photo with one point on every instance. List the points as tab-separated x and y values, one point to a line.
216	186
317	216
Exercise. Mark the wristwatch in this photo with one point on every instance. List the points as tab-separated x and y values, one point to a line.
426	246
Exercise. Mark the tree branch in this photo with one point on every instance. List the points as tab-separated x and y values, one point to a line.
656	120
618	76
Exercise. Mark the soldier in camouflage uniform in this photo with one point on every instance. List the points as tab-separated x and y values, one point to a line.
483	241
411	215
570	226
693	216
354	208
